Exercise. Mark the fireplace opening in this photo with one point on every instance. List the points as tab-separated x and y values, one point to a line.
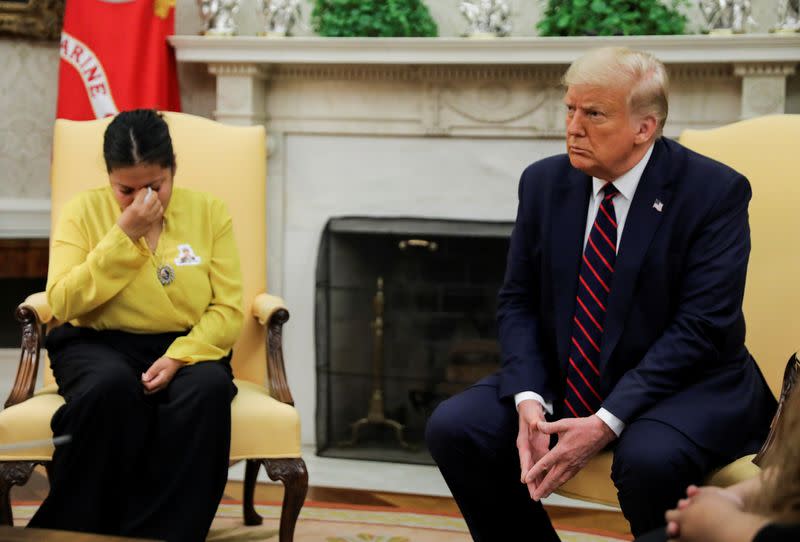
405	318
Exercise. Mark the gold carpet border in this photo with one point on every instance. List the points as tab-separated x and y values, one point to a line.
371	517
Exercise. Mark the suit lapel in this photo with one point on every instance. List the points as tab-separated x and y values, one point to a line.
571	204
644	217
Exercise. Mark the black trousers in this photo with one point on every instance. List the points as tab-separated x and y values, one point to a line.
472	437
150	466
656	535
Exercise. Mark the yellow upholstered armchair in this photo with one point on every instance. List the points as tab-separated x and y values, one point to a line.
229	162
765	150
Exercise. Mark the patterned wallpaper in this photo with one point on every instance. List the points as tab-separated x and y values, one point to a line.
28	74
28	78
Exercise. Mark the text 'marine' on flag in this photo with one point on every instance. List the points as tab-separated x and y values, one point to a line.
115	57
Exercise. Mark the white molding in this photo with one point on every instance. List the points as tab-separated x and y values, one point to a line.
767	70
24	218
689	49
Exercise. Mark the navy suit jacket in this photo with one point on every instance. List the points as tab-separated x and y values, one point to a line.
673	347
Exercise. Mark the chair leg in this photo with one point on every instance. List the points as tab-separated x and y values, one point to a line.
251	467
12	473
293	474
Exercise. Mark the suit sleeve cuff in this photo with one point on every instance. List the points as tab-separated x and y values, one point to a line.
525	395
611	421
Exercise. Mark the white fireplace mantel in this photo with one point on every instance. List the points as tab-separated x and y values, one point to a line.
434	128
691	49
247	66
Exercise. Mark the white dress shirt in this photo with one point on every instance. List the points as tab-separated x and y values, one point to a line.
626	184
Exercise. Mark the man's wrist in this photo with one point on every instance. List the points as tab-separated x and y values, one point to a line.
530	395
607	431
614	424
531	403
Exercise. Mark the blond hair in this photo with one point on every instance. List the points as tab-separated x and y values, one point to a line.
614	67
780	495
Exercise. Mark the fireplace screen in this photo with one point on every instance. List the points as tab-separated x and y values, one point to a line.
405	318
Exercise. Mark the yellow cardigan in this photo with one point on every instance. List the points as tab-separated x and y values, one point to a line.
101	279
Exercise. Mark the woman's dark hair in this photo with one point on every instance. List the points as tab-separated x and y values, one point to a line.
137	137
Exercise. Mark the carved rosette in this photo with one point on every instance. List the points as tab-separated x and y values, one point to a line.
15	473
287	470
763	88
12	473
240	92
30	331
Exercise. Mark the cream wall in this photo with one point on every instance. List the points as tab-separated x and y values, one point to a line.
28	82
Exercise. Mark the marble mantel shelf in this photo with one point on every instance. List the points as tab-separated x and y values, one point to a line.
690	49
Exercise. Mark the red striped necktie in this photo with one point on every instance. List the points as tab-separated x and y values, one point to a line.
583	397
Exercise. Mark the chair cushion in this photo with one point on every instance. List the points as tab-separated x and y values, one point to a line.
593	482
738	471
262	426
29	420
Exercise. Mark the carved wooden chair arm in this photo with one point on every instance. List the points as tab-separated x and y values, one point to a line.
31	314
265	305
790	376
271	311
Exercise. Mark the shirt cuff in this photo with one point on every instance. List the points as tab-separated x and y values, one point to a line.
611	421
525	395
190	349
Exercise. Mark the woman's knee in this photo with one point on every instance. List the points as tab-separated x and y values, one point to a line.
102	400
208	382
112	388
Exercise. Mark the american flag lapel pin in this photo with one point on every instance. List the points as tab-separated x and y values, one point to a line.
657	205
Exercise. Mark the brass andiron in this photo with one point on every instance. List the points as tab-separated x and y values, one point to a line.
375	414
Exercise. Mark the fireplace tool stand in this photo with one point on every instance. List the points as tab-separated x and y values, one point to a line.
375	414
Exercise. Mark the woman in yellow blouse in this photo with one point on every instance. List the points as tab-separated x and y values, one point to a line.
146	278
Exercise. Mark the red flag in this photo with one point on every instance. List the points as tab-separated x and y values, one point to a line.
115	57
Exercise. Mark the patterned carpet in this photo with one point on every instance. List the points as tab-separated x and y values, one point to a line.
325	522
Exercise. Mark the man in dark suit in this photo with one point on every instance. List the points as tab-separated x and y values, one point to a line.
620	320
